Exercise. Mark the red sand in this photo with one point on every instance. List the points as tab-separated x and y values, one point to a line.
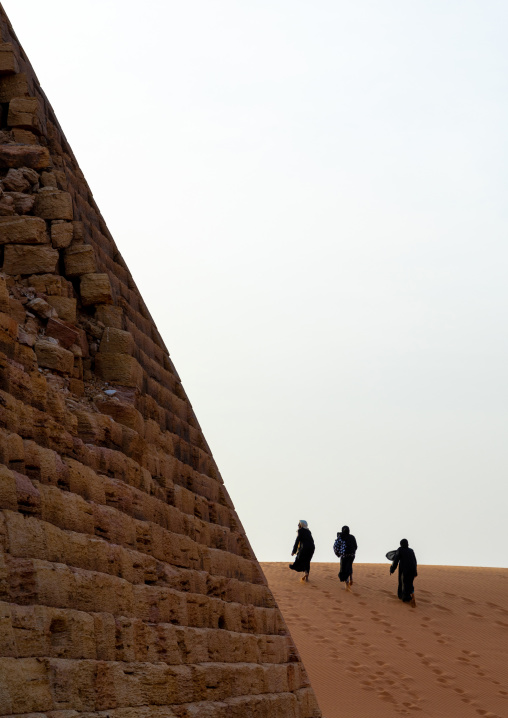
368	655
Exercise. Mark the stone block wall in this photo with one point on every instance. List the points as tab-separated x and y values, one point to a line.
127	585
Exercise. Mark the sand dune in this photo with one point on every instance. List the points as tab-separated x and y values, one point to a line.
369	655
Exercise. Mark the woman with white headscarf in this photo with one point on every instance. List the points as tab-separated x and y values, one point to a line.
304	550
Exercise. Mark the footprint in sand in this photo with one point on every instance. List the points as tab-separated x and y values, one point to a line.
385	696
443	608
366	685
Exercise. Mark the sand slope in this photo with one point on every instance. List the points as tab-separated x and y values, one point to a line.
369	655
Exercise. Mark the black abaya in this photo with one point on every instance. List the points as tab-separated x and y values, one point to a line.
304	548
405	559
346	560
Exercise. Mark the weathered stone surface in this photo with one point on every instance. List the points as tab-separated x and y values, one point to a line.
24	337
95	289
65	307
4	295
6	204
52	203
8	325
29	259
50	284
13	86
48	179
122	413
23	112
79	259
24	137
61	233
116	341
23	230
54	357
22	203
33	156
40	307
109	315
15	181
66	335
8	60
119	369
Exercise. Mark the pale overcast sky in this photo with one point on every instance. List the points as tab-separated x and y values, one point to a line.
311	197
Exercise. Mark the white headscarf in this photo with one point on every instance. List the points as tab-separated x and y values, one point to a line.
302	524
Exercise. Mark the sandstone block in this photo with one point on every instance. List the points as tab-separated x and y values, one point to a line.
17	310
61	233
32	156
25	259
8	62
8	325
41	308
6	204
66	335
109	315
25	337
17	675
116	341
52	356
4	295
53	204
78	231
8	496
13	86
48	179
23	112
61	180
23	203
79	259
122	413
24	137
53	284
119	369
15	181
28	497
77	387
23	230
95	289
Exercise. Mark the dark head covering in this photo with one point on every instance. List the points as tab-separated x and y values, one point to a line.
404	543
345	530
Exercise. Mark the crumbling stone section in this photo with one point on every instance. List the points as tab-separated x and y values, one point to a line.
127	584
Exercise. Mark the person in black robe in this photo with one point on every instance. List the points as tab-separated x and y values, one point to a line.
405	559
347	557
304	550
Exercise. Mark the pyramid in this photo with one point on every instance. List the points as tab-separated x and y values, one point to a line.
128	587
